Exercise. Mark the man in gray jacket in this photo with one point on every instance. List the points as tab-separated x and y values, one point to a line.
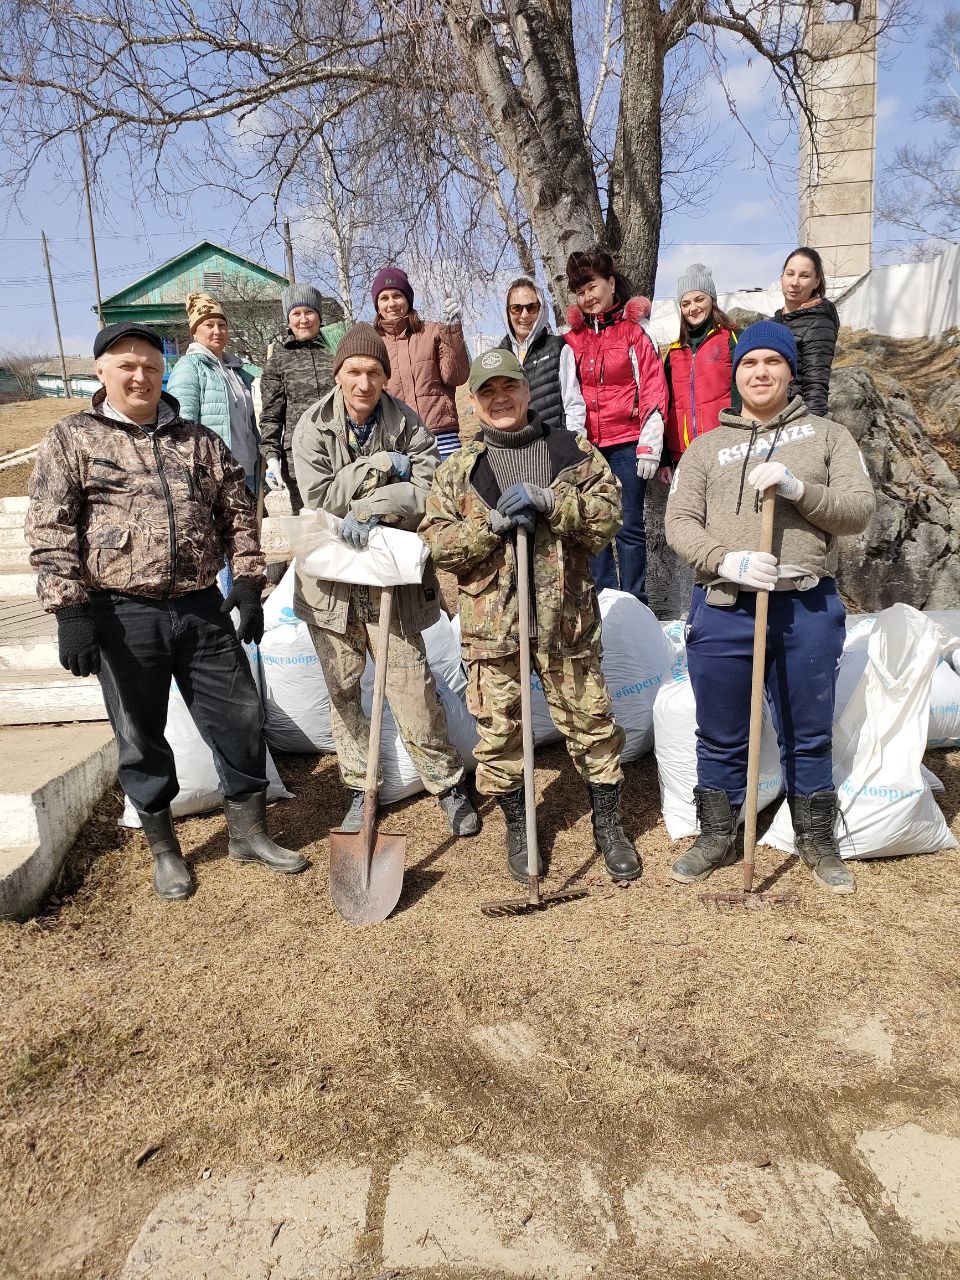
366	457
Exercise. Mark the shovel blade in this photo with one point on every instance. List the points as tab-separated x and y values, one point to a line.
360	895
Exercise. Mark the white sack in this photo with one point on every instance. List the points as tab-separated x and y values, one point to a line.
636	659
878	744
196	771
544	730
296	703
391	557
674	631
944	726
442	643
675	729
278	606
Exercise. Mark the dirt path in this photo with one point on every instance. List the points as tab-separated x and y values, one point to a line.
622	1087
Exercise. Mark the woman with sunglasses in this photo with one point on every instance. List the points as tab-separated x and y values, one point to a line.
548	362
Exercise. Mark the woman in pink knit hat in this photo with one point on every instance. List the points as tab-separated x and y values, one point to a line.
428	359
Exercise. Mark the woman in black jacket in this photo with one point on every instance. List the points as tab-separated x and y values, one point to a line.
814	322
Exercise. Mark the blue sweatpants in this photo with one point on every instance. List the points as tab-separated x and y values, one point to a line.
805	633
632	538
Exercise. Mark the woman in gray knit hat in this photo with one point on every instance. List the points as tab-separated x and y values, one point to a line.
297	375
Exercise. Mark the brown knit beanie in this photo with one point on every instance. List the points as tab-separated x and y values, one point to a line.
200	306
361	340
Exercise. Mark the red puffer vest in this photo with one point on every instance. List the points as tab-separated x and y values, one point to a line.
700	386
620	372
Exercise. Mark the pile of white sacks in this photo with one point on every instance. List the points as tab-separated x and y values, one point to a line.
898	695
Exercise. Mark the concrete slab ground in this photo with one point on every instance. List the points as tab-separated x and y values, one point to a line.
51	777
920	1172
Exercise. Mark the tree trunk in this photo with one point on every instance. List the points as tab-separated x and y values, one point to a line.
635	204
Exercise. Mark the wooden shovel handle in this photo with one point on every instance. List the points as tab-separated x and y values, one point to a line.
376	712
526	710
756	697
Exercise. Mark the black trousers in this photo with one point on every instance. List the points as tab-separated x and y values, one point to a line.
144	643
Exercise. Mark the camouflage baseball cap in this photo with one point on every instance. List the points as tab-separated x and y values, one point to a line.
495	364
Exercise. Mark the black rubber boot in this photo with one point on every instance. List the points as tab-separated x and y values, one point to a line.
462	817
716	845
514	811
813	820
249	841
172	880
619	855
353	818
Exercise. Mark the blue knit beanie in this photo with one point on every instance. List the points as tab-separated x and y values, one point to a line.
767	335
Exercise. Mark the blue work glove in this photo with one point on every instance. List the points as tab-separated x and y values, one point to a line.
245	596
357	532
399	465
526	497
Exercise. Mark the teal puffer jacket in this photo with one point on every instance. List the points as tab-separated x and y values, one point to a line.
199	388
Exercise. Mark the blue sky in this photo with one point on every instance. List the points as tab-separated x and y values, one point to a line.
753	214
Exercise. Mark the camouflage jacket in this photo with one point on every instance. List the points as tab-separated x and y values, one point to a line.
586	515
335	476
117	508
297	375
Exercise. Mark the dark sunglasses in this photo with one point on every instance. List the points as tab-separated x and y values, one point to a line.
518	308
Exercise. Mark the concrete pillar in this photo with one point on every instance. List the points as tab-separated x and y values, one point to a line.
838	137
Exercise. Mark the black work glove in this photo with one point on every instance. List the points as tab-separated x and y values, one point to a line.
77	637
245	596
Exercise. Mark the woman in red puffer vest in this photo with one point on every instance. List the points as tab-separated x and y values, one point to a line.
699	368
625	391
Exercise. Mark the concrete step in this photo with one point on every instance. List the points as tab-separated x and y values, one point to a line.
48	696
33	653
14	557
9	506
17	583
12	519
51	779
13	535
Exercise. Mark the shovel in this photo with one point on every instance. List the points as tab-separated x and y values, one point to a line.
535	900
748	897
366	868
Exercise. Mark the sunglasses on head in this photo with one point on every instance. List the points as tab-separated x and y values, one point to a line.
518	308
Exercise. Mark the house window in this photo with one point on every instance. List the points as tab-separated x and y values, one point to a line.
843	12
213	282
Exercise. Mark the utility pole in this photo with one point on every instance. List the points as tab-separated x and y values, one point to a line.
56	318
291	274
93	240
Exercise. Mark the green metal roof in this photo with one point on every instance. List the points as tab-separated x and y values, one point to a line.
161	293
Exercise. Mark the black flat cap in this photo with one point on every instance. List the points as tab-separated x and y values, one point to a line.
112	333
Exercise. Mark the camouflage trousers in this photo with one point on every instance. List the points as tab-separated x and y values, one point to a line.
411	693
580	706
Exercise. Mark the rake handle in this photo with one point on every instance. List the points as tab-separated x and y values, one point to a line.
756	697
526	712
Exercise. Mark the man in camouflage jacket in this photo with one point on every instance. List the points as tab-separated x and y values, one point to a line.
132	510
555	484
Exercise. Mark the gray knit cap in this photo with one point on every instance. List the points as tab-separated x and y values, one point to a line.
697	279
302	295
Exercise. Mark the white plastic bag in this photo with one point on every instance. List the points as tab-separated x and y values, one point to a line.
442	643
675	729
944	726
636	658
400	777
196	770
391	557
674	632
296	703
278	606
878	743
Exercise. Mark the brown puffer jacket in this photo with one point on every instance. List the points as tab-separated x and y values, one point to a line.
117	508
425	370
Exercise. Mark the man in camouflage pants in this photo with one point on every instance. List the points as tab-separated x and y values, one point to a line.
557	486
364	456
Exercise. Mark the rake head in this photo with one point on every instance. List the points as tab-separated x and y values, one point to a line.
513	907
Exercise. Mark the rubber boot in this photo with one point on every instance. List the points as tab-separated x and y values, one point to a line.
716	845
619	855
461	816
172	880
248	838
353	819
514	810
813	820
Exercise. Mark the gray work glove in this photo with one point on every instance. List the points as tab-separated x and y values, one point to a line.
357	532
526	497
400	465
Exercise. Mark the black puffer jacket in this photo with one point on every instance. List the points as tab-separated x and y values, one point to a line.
815	331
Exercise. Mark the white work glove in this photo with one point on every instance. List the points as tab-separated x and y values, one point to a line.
272	475
756	569
646	466
768	474
452	310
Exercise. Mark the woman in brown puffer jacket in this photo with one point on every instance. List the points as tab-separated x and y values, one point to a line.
428	360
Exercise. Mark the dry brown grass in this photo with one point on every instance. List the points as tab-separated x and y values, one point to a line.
250	1025
27	422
